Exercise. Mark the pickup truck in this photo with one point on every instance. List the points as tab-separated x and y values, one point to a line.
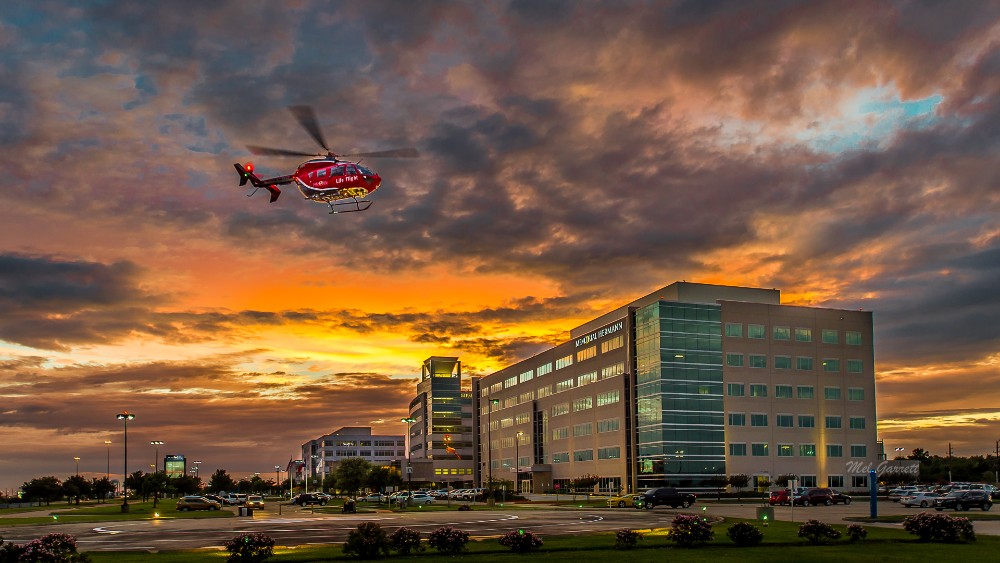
665	496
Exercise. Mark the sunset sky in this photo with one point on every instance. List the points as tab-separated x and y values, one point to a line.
574	156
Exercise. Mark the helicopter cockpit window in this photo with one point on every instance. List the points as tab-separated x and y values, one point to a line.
365	171
351	170
337	171
321	173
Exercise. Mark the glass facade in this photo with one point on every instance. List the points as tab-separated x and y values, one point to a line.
679	393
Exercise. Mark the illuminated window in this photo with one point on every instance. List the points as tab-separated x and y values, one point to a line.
586	378
584	429
586	353
786	450
564	385
612	344
608	425
564	361
807	450
560	409
612	371
583	404
544	369
560	433
608	398
526	376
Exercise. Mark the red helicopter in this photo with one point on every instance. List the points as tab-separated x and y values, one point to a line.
341	184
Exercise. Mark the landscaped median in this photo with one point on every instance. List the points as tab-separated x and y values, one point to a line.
56	514
689	539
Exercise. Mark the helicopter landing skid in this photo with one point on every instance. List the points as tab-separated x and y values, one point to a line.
348	206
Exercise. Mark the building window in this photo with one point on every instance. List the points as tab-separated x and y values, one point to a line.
737	419
734	330
612	344
758	419
526	376
608	425
833	422
564	361
852	338
786	450
782	391
564	385
758	450
807	450
835	481
509	382
612	371
608	398
609	453
782	362
831	393
561	457
560	409
831	365
857	423
544	391
859	481
854	366
830	336
803	334
737	449
586	353
583	455
560	433
584	429
803	363
758	361
734	360
859	450
758	390
755	331
855	394
734	389
781	333
784	420
586	379
583	404
834	450
807	421
805	391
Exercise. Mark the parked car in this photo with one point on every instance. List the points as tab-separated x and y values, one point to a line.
815	496
216	498
254	501
420	498
374	497
621	501
923	500
780	497
964	500
665	496
900	492
840	498
306	499
474	494
326	496
196	503
440	494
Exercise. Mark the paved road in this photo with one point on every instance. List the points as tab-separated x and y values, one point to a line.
303	527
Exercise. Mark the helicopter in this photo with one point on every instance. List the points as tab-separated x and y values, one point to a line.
341	184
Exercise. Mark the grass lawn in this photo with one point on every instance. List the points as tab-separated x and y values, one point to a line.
106	513
781	544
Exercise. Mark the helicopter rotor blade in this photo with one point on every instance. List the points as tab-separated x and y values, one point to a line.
394	153
265	151
307	119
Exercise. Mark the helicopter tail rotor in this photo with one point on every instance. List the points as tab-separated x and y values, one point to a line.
247	175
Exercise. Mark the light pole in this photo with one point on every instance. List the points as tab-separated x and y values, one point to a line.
517	463
108	444
156	455
489	445
125	417
409	470
77	458
197	468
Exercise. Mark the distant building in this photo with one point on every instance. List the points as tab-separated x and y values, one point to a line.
685	386
441	436
320	456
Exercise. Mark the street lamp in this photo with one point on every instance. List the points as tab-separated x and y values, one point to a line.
156	455
77	465
517	463
196	468
409	470
108	444
125	417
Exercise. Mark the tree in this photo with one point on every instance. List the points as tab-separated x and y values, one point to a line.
186	485
352	474
739	482
782	480
221	482
919	454
134	484
41	489
380	477
76	487
585	484
154	484
102	488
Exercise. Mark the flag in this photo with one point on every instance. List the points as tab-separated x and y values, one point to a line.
452	450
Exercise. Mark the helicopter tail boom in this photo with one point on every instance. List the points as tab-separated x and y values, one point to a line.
247	175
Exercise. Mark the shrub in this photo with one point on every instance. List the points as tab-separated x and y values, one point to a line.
465	507
817	532
405	540
745	534
940	528
51	548
521	541
688	531
448	540
627	538
250	548
368	541
856	532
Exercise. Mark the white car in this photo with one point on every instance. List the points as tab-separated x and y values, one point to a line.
373	497
921	499
421	498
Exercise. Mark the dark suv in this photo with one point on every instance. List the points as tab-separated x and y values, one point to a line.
664	496
814	497
305	499
964	500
